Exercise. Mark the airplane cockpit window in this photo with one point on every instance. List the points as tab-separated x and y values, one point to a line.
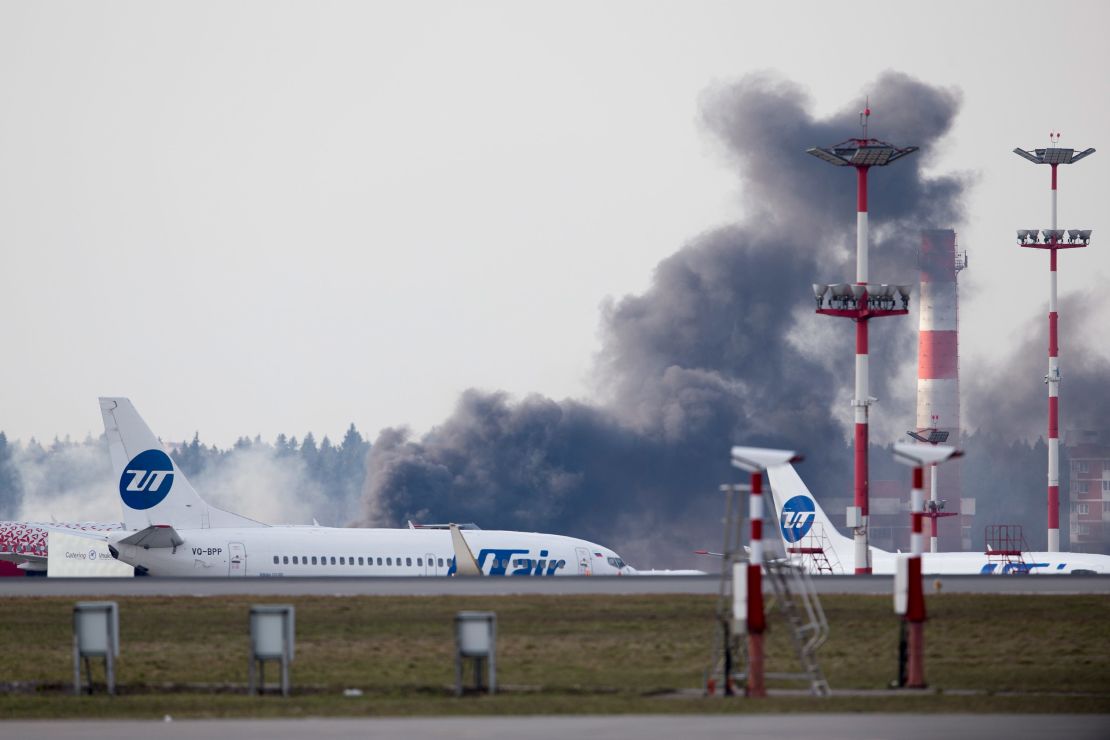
616	563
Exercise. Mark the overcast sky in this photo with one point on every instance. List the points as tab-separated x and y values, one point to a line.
268	217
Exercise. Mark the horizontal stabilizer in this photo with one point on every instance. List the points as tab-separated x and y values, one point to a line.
467	526
159	535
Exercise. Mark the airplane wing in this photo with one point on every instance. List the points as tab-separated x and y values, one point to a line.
22	557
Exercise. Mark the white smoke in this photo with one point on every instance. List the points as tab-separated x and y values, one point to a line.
71	483
256	482
74	482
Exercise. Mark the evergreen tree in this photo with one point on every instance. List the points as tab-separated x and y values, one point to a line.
309	452
352	462
325	465
11	494
191	457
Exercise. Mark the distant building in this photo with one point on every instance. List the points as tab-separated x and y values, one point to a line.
890	514
1088	453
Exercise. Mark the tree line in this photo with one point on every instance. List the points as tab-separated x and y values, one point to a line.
1007	477
333	471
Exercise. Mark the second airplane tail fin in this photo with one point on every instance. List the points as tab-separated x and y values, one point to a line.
804	528
152	489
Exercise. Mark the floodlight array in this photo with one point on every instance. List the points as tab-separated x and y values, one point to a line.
853	297
828	156
872	156
1027	237
1054	155
861	153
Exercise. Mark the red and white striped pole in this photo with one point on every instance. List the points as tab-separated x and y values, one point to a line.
1053	396
862	154
861	402
756	620
915	604
1053	156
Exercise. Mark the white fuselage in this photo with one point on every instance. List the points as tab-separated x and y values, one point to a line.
804	526
967	563
332	551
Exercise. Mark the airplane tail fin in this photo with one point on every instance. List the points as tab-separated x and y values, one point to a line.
152	489
804	527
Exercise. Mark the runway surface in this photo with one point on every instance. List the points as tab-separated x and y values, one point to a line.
650	727
706	585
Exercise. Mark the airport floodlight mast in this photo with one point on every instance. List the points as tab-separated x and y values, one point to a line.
861	302
1053	239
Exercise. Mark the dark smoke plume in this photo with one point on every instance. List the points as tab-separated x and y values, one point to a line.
1085	377
722	349
1008	406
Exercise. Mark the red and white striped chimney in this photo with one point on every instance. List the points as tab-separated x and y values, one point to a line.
938	374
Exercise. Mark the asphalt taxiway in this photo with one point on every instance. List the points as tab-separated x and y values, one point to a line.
641	727
704	585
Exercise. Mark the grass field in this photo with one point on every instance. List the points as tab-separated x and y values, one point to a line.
556	654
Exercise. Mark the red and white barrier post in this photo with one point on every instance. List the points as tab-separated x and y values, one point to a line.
756	619
748	588
909	597
915	603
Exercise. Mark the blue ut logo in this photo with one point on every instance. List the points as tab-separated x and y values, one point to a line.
797	518
146	480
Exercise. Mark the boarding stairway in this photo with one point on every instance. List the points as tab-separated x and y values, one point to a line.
797	601
1005	546
793	597
813	552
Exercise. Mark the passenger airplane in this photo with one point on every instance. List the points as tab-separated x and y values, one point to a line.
171	531
804	527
